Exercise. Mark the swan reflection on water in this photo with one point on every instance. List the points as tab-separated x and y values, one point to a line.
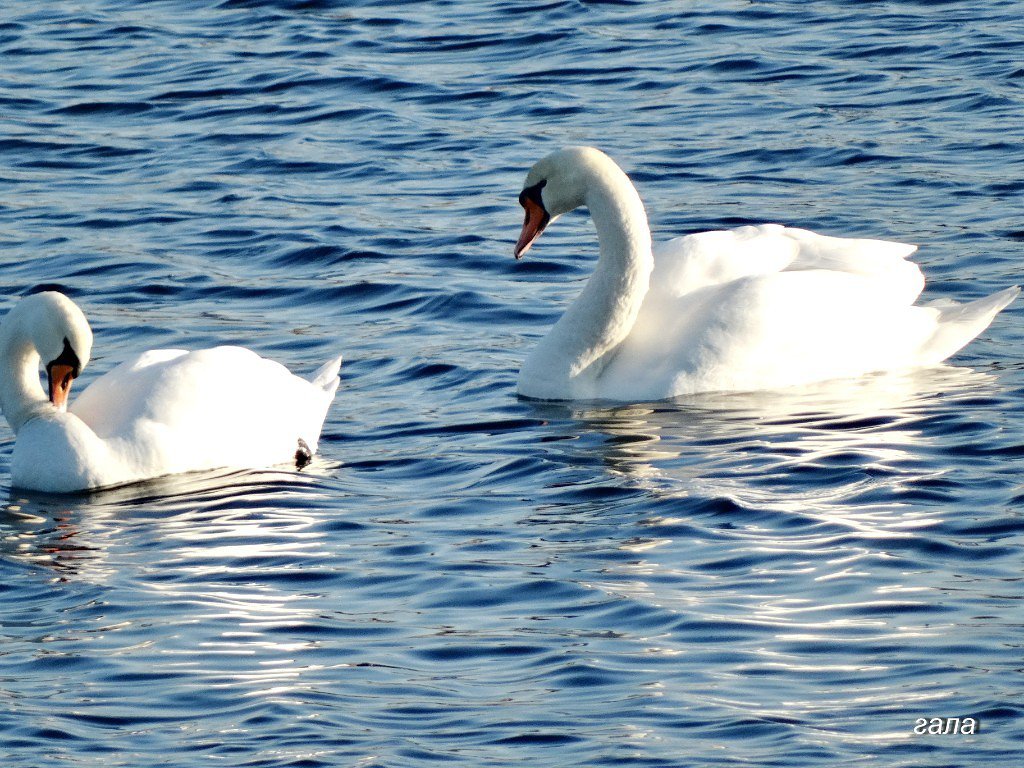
825	449
75	534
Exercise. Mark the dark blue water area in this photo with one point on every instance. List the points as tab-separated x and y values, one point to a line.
463	577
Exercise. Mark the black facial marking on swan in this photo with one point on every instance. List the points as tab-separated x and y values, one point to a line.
67	357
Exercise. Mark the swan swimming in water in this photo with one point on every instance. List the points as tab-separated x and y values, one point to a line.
757	307
163	412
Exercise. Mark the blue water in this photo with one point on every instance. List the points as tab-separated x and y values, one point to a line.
461	577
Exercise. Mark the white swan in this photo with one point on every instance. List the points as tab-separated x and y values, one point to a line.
758	307
163	412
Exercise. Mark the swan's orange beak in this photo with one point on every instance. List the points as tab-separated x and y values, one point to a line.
60	378
536	218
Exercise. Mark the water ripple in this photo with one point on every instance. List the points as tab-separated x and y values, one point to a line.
784	579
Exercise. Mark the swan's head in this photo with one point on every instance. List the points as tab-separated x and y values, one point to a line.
557	184
62	337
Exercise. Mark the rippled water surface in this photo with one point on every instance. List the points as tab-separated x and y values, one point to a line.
462	577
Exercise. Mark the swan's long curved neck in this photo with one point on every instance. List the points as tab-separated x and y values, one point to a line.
21	394
604	313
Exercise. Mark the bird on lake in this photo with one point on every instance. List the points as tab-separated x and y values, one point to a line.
163	412
752	308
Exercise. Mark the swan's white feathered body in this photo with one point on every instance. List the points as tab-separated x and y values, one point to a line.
758	307
164	412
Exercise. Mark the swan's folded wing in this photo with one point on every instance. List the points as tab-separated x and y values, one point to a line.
171	411
704	259
113	401
697	261
882	262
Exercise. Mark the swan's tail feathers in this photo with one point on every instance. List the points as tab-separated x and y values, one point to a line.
959	323
326	376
